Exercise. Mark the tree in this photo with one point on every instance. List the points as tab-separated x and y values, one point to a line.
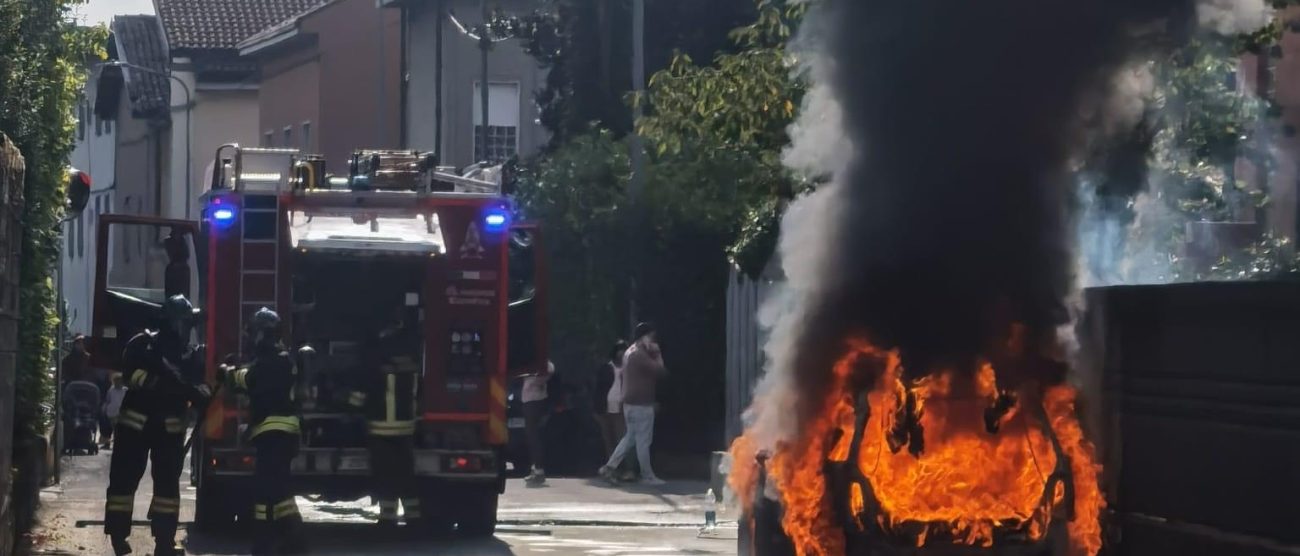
713	178
42	56
586	47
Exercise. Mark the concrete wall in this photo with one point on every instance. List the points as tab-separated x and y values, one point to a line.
507	63
1195	403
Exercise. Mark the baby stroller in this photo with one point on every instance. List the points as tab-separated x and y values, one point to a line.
80	418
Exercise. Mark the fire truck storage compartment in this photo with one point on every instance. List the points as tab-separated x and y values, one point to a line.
1192	392
340	303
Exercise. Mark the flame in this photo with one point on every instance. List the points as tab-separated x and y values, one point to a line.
966	487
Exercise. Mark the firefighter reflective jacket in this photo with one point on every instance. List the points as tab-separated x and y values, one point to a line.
389	384
155	369
270	381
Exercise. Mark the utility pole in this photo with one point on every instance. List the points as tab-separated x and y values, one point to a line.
485	44
637	159
437	83
483	34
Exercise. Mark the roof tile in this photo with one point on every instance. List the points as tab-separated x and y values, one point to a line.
139	41
221	24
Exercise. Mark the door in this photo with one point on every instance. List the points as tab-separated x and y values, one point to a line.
526	317
139	263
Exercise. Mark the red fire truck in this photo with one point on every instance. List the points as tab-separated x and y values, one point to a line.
332	255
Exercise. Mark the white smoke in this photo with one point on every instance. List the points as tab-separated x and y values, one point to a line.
820	149
1228	17
1115	252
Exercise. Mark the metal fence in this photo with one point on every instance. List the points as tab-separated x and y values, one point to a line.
11	205
744	343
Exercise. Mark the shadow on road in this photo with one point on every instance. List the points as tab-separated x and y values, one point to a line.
354	538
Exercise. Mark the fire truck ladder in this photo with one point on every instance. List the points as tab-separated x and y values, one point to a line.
259	252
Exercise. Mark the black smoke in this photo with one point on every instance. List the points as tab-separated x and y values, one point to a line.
954	214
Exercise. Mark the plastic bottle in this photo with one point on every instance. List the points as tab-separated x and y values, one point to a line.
710	510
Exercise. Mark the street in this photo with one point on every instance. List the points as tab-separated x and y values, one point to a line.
567	516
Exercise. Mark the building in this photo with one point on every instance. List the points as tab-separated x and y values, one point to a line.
219	95
513	76
1274	75
330	80
123	141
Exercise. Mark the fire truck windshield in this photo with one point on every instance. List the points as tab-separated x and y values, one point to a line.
360	232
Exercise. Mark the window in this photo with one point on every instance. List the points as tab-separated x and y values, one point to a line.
306	137
81	121
288	137
503	122
99	126
268	139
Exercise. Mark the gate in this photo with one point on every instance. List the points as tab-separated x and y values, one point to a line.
745	338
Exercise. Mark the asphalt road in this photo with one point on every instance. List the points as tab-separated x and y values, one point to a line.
569	516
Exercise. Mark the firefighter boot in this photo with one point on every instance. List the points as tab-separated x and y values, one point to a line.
165	547
120	546
294	540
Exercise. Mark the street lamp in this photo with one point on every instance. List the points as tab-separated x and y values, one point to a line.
189	107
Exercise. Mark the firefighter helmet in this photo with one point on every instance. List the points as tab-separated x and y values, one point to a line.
264	320
262	326
178	308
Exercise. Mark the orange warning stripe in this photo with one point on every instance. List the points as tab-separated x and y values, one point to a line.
497	432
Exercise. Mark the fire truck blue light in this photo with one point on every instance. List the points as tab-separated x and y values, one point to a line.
223	215
495	220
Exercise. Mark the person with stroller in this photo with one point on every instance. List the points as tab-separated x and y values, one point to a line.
151	427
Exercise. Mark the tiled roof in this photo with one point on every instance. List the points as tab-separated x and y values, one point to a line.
283	26
140	42
221	24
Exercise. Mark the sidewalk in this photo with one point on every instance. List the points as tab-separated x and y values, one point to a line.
596	502
70	519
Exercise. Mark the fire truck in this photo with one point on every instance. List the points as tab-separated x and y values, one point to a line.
333	255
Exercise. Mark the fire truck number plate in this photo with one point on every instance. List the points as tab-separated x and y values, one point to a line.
515	423
353	463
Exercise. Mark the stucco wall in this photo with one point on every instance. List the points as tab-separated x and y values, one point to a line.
507	63
95	153
289	96
221	114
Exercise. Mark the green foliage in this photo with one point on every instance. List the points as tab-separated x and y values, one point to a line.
41	72
577	192
586	47
1199	125
721	128
1269	258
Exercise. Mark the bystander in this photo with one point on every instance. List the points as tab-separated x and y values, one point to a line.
643	366
535	408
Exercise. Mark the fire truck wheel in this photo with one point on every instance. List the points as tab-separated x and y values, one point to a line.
214	511
478	514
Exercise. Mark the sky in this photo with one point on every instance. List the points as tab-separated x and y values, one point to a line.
102	11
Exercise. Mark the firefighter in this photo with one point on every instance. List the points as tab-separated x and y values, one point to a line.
387	398
270	380
151	426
